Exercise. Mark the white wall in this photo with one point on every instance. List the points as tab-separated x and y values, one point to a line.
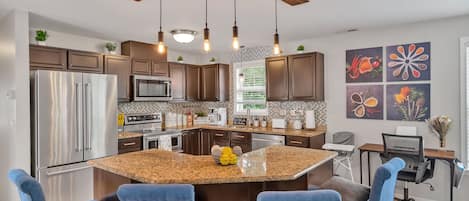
73	41
14	99
444	36
63	39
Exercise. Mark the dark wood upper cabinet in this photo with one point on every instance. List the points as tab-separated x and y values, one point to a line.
215	82
177	73
192	82
85	61
160	68
306	76
120	66
141	66
47	58
276	78
145	57
209	88
297	77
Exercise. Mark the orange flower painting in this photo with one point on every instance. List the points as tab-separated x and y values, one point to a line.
408	102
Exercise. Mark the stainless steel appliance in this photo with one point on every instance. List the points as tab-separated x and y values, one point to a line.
217	116
151	88
260	141
74	121
154	135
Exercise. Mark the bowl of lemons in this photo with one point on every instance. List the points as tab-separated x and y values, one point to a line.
226	155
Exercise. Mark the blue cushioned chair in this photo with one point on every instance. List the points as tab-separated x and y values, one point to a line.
28	187
382	189
156	192
317	195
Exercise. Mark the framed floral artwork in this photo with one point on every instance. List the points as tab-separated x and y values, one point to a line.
365	101
410	62
364	65
408	102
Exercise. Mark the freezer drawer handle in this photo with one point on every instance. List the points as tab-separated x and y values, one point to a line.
67	171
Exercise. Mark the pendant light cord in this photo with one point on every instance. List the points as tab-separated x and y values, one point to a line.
235	12
276	28
161	12
206	13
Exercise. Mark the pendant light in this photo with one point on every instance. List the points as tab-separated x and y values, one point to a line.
241	75
276	37
161	46
206	30
235	31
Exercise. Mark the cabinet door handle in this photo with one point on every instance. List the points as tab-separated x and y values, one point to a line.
130	144
240	136
219	135
296	142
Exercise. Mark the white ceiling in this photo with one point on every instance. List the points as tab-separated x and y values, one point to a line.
127	20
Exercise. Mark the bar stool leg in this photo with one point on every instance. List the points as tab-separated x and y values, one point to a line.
350	169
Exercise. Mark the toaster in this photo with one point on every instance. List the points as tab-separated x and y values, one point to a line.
279	123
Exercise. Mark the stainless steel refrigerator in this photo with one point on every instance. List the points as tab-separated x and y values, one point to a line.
74	120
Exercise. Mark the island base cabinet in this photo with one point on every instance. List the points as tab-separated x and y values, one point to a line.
106	183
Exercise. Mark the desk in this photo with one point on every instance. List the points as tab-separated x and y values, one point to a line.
448	156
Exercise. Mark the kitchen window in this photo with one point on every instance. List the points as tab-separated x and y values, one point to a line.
249	88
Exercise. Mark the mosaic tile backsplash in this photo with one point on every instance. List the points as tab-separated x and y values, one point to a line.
275	108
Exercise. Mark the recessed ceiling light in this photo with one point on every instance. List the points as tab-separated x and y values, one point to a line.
183	35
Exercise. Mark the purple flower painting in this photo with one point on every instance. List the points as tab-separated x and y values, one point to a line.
364	65
408	102
410	62
365	101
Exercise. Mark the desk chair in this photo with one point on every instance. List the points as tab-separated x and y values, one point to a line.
410	149
344	144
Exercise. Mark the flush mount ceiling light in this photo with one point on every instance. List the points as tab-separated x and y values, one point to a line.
183	35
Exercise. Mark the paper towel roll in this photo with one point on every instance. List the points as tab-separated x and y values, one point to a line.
310	122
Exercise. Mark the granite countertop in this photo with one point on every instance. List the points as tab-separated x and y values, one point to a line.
275	163
125	135
287	132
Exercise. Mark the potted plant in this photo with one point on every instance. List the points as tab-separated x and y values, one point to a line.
111	48
300	49
41	36
180	59
212	60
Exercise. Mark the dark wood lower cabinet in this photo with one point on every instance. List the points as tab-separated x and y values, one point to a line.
242	140
191	142
129	145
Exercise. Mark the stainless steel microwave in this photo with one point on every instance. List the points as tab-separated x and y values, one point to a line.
151	88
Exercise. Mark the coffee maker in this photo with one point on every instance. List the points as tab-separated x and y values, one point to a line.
217	116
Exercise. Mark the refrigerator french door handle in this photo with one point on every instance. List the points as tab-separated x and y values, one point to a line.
67	171
86	118
79	140
89	123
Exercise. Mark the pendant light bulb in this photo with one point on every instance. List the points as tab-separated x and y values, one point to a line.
235	38
161	46
276	44
206	40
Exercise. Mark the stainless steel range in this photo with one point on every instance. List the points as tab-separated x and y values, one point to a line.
154	135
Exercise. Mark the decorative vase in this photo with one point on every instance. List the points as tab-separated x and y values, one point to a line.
41	43
443	142
300	51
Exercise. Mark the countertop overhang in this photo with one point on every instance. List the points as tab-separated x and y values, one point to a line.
275	163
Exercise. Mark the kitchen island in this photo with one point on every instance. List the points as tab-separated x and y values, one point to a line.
271	168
